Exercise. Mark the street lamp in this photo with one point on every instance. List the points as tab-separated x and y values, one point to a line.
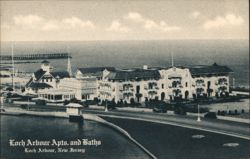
106	105
28	105
198	115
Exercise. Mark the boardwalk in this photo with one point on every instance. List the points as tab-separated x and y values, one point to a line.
36	56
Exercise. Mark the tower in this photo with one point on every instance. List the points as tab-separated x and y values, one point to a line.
46	66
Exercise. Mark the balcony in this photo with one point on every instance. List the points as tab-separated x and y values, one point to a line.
153	89
200	85
127	94
128	90
127	85
222	84
175	86
152	92
105	93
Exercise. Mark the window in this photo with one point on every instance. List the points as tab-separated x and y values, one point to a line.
66	96
208	84
137	89
150	85
186	84
46	80
162	86
51	80
58	97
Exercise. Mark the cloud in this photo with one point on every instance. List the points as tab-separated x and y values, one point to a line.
50	26
134	16
75	22
117	27
194	15
227	20
150	24
165	27
162	26
39	23
28	21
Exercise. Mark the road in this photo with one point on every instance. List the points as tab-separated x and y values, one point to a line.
174	142
236	129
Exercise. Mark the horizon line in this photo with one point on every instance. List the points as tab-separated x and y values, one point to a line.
245	39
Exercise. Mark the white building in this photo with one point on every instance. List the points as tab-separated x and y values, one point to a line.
84	88
44	78
176	82
85	83
135	85
211	80
172	83
56	95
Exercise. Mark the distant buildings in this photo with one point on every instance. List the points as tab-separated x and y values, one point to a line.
5	71
133	85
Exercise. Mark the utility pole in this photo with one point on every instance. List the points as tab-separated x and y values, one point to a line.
198	115
13	67
106	103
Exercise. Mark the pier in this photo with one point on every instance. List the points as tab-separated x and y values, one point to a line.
35	56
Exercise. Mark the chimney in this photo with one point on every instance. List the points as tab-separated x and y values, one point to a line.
145	67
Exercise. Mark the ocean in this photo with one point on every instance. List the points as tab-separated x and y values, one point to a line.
134	54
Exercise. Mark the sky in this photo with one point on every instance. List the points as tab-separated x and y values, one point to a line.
64	20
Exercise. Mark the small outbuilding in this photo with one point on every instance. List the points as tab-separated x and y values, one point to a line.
74	109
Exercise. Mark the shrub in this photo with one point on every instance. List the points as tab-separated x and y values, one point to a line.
180	111
96	100
24	106
132	101
217	95
40	102
211	115
223	113
66	102
242	111
235	111
74	100
218	112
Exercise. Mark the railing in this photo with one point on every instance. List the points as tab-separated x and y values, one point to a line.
177	86
127	91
